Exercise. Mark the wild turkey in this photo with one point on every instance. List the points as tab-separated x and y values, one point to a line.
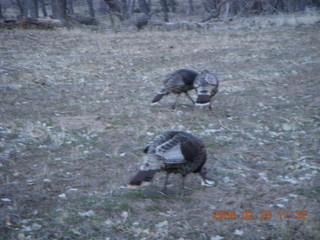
180	81
172	152
206	85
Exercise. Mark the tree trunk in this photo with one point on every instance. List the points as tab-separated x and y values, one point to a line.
102	7
172	4
1	16
301	5
70	9
143	6
316	3
165	10
25	8
29	7
279	5
59	9
20	6
116	8
125	9
226	11
90	6
190	8
43	8
149	4
132	5
33	6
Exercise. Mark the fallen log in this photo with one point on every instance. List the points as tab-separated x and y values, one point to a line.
42	23
47	23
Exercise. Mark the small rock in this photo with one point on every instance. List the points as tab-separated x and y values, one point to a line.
238	232
180	113
263	176
162	224
287	127
226	179
21	236
108	222
217	238
124	216
62	196
46	180
76	232
30	182
27	229
122	154
283	199
36	226
89	213
5	200
293	195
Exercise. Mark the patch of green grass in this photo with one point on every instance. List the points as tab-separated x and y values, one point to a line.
112	206
124	207
71	233
152	208
311	192
212	146
107	178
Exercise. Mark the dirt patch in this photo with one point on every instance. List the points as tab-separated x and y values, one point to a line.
79	122
76	114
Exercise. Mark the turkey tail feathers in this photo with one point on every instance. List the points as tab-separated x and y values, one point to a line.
158	97
142	178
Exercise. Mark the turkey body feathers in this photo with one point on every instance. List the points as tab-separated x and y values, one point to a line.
180	81
172	152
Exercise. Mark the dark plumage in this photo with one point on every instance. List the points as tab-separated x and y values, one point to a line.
206	85
180	81
172	152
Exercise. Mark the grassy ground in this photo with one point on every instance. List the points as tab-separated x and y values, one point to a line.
76	114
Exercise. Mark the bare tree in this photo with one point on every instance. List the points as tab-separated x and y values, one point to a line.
43	8
90	6
143	5
190	8
33	7
1	16
59	9
165	10
70	9
120	9
102	7
172	4
28	7
301	5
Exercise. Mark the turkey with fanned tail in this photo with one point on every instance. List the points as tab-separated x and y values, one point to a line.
173	152
206	85
180	81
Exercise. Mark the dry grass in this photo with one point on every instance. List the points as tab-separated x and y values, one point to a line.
75	115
